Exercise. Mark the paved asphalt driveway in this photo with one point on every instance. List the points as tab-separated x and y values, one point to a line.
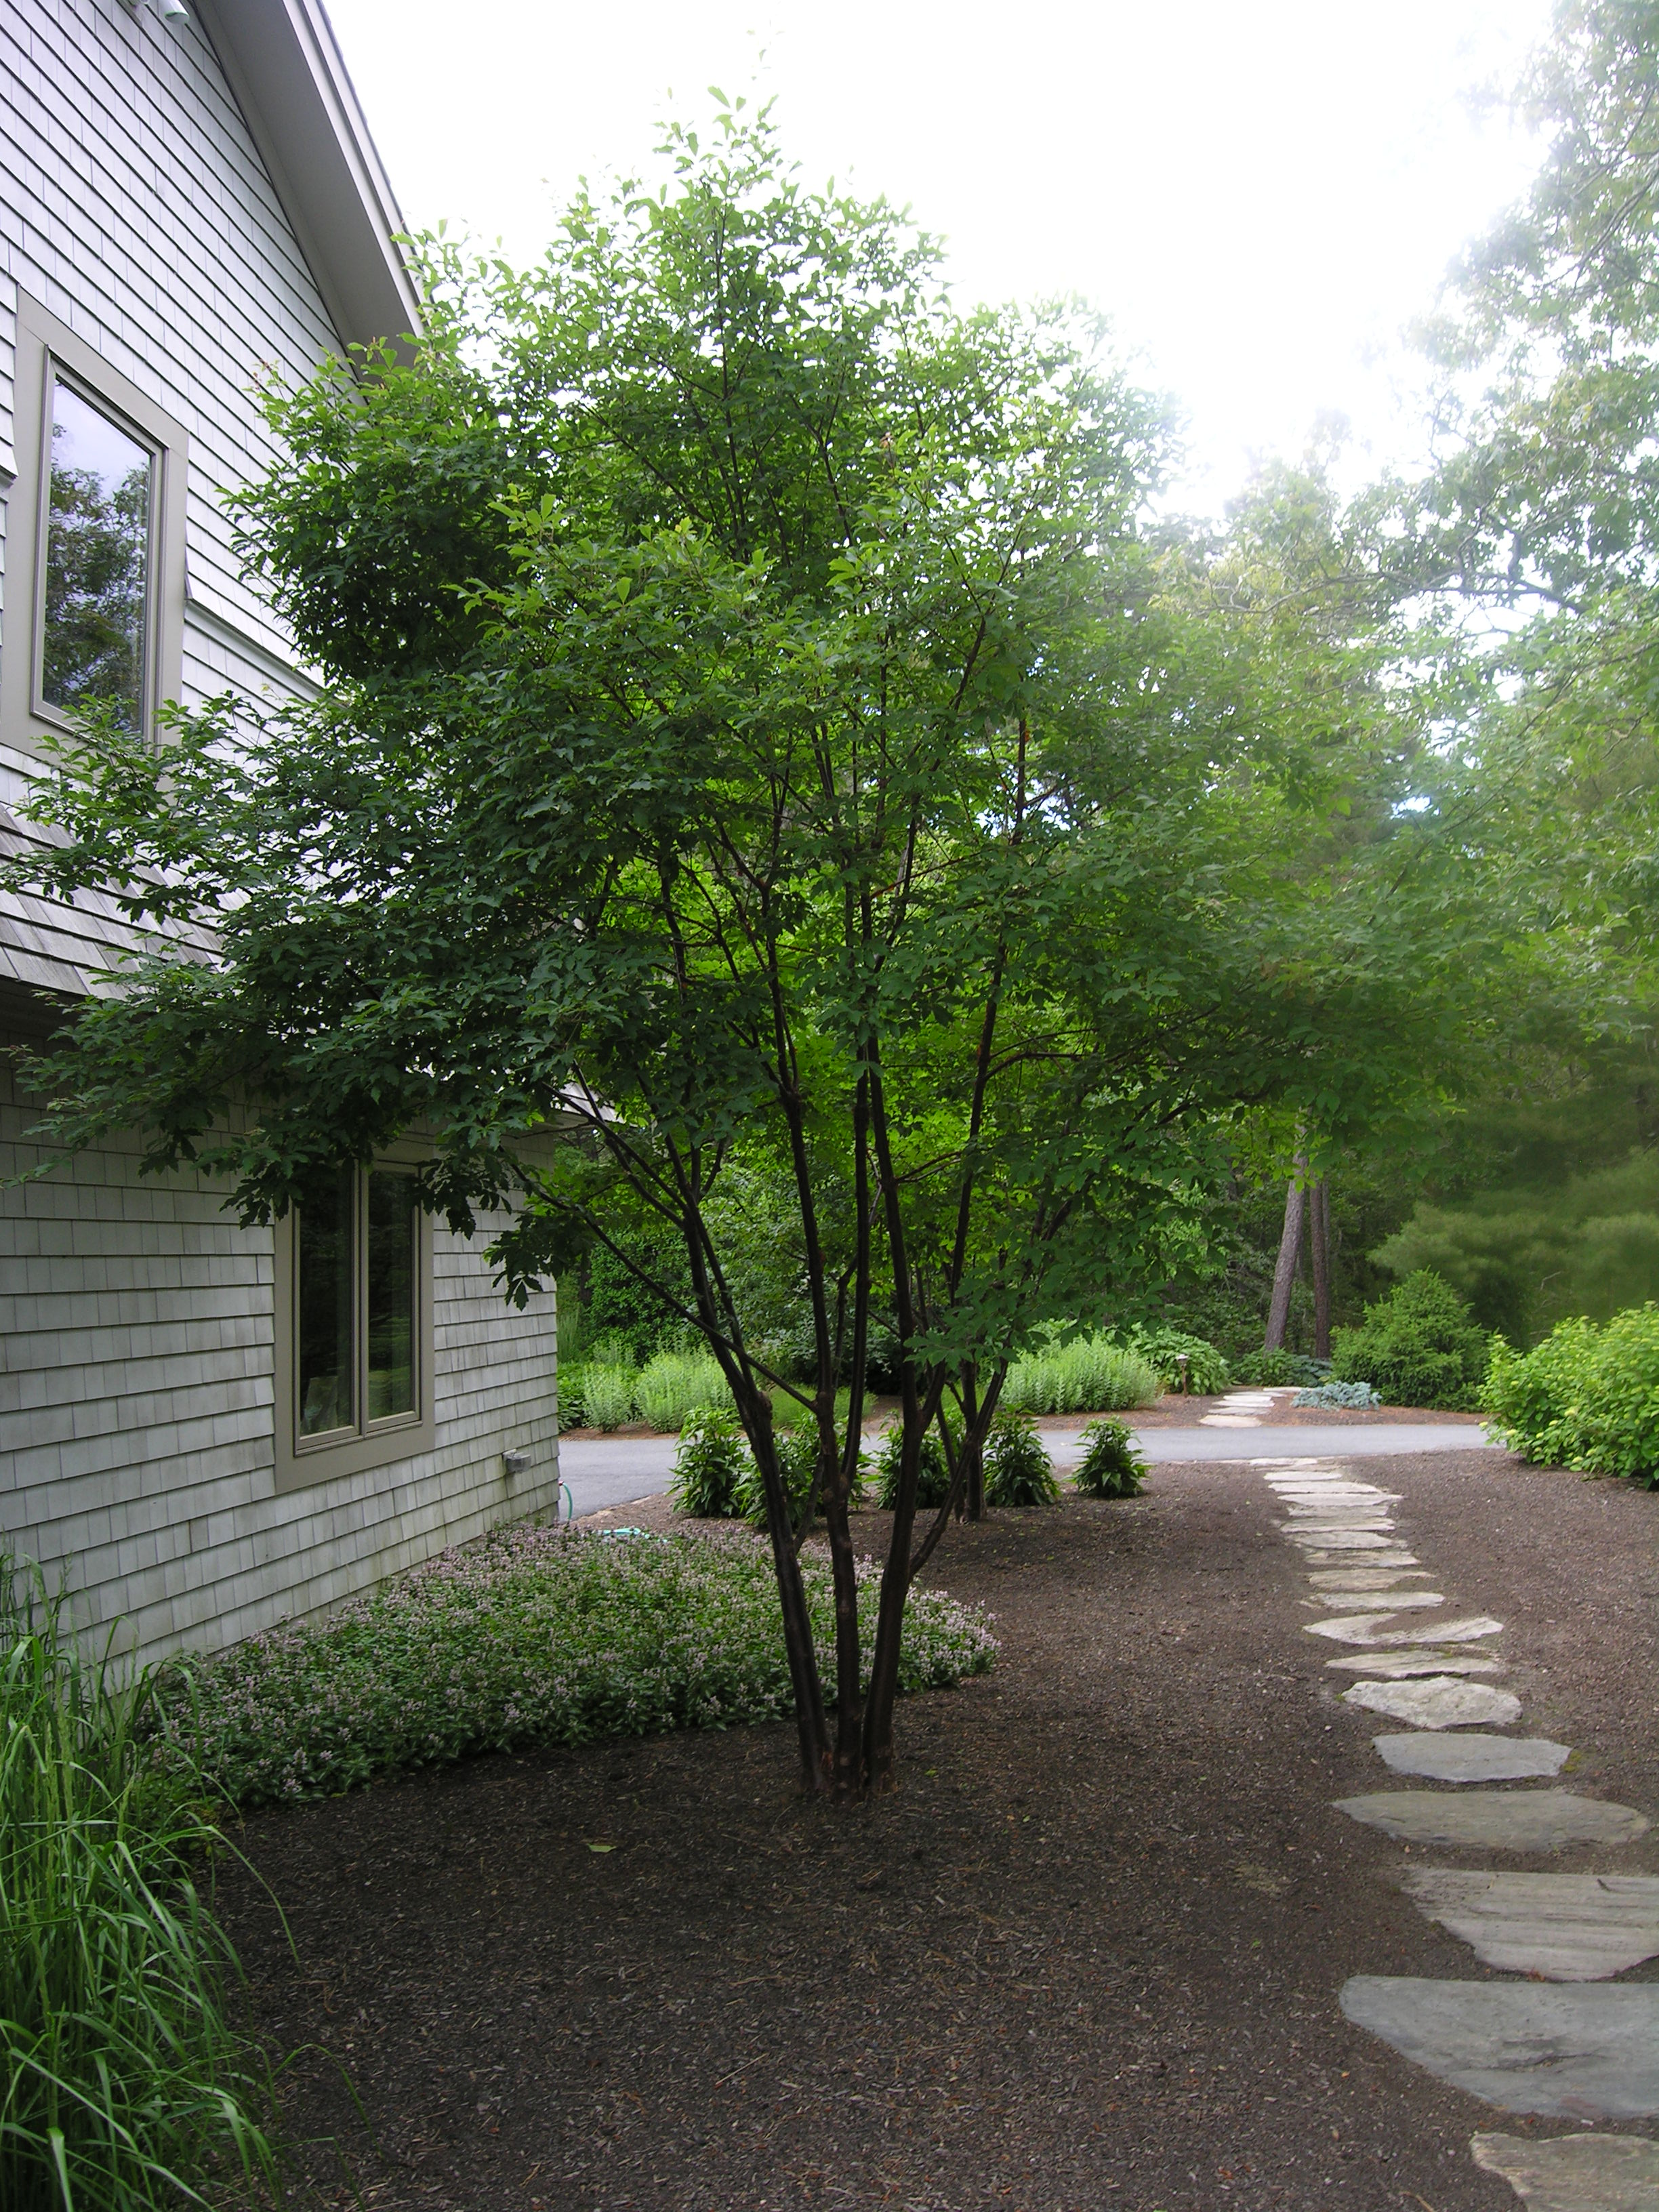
607	1472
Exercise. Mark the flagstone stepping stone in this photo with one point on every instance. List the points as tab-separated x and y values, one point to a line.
1367	1628
1369	1516
1496	1819
1567	1927
1395	1666
1228	1421
1440	1701
1355	1628
1570	2054
1374	1601
1576	2173
1341	1540
1366	1577
1376	1557
1339	1493
1467	1758
1304	1511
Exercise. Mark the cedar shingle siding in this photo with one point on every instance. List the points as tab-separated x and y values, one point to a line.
137	1320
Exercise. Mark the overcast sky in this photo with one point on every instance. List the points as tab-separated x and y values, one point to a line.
1261	193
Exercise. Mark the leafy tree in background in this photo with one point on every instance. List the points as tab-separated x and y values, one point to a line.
765	751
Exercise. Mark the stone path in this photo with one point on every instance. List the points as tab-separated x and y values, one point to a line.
1587	2049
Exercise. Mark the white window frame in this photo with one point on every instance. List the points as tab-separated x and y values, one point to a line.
48	349
304	1460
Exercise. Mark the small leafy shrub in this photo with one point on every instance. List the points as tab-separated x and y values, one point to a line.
1586	1398
1357	1396
709	1465
1090	1374
1419	1346
1111	1468
797	1451
1017	1469
1279	1369
934	1481
534	1635
1207	1372
121	2070
674	1384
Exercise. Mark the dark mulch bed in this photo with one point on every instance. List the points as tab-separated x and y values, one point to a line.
1087	1955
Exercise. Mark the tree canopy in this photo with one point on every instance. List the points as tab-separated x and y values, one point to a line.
769	747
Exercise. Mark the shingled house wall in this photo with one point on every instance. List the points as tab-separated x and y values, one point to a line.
137	1320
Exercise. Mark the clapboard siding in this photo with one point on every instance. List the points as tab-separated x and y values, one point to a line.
137	1435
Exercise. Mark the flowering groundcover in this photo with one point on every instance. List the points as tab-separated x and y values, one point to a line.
533	1635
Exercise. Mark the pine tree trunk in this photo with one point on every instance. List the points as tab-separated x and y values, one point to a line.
1290	1251
1319	1240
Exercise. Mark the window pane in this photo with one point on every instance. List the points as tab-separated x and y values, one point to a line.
97	562
392	1225
322	1232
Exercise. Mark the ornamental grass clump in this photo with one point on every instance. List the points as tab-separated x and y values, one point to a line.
1586	1398
673	1385
1090	1374
1112	1468
125	2087
533	1636
607	1394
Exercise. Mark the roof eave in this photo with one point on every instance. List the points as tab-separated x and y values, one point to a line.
284	64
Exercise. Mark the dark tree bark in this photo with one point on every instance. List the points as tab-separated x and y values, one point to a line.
1319	1239
1290	1251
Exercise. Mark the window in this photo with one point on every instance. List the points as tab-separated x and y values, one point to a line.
95	542
352	1390
94	614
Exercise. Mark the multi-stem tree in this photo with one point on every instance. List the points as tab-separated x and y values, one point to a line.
757	727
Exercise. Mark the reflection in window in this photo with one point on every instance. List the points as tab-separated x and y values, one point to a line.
390	1294
323	1233
97	567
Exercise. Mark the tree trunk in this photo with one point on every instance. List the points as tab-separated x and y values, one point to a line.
1290	1249
1319	1238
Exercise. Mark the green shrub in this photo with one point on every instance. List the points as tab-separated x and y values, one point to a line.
534	1635
1111	1468
1018	1469
709	1465
1090	1374
1278	1370
798	1455
788	1413
1586	1398
670	1385
1207	1372
934	1481
1349	1397
607	1395
1419	1346
125	2086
